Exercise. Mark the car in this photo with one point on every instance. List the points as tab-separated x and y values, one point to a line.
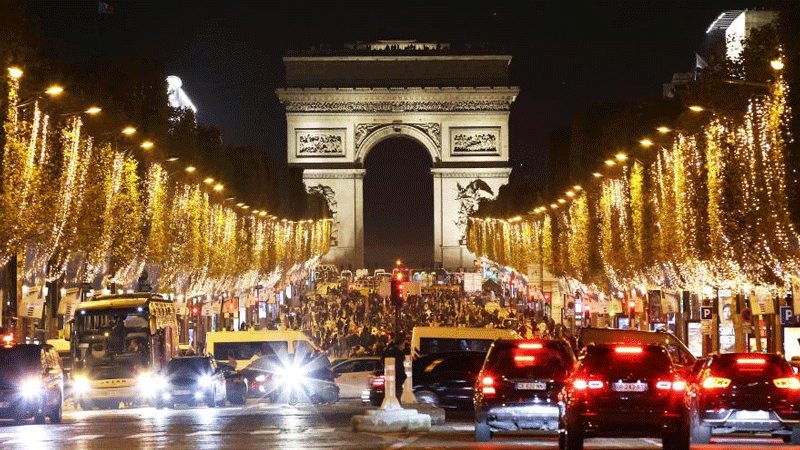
519	384
443	379
290	378
746	392
624	390
32	383
190	380
682	358
352	375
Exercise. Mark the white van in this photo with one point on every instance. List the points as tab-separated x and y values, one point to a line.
244	345
429	340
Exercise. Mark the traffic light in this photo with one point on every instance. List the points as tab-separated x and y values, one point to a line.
398	294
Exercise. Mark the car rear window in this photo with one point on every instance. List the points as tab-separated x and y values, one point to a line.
531	360
620	362
188	366
19	361
750	367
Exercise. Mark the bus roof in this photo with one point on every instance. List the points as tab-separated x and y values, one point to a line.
120	301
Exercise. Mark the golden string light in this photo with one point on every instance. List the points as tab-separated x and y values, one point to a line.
708	209
116	224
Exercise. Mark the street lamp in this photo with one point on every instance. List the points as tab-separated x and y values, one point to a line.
54	90
621	156
646	143
92	110
776	64
129	131
190	169
218	187
208	180
147	145
15	72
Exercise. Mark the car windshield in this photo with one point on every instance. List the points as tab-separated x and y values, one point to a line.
19	361
621	362
739	368
188	366
540	360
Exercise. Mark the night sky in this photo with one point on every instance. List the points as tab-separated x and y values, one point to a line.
566	56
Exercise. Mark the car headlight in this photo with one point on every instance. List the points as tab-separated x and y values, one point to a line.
205	381
292	374
80	385
31	387
261	378
159	382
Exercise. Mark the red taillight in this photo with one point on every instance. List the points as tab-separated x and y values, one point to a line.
582	385
678	385
716	383
487	386
628	350
751	361
787	383
530	345
378	381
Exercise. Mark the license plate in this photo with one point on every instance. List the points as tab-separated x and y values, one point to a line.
629	387
752	415
183	392
537	386
4	404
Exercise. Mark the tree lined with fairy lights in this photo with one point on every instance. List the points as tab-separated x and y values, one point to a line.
67	200
708	208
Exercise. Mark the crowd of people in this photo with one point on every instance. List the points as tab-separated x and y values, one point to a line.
350	324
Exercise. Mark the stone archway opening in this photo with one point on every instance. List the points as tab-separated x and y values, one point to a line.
398	204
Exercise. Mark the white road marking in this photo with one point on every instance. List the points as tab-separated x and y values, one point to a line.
462	427
652	442
325	430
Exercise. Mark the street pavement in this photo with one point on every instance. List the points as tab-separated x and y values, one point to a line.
261	425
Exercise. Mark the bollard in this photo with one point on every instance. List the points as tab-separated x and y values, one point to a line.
389	396
408	397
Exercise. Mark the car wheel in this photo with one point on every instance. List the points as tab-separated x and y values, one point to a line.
573	438
794	439
84	405
55	416
428	397
482	432
38	419
701	434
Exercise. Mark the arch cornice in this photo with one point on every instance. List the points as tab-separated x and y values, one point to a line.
420	133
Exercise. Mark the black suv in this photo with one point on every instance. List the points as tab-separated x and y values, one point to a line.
624	390
748	392
31	383
191	380
519	384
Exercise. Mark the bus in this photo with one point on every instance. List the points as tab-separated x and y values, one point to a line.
430	340
118	343
247	345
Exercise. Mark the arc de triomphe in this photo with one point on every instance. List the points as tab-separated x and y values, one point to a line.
454	104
